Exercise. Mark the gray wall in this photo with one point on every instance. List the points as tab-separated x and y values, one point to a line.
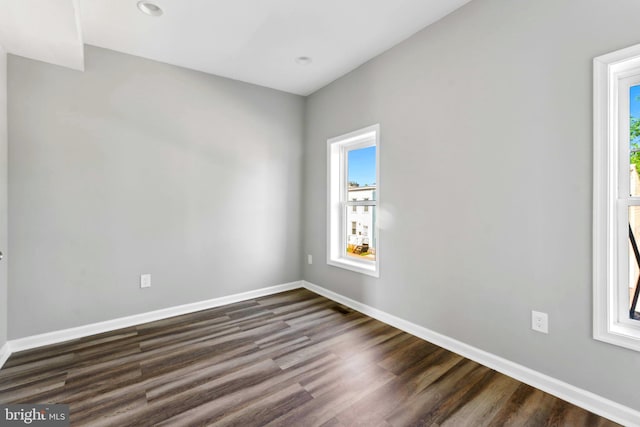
486	169
139	167
3	196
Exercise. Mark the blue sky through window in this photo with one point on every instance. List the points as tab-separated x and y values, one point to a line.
362	165
634	112
634	98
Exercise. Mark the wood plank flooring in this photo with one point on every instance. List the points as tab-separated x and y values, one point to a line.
291	359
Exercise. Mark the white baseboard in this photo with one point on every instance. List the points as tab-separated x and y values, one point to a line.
579	397
4	354
55	337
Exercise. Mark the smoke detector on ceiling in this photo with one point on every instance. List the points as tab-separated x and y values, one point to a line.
149	8
303	60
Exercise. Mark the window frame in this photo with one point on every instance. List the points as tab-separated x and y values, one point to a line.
614	74
338	202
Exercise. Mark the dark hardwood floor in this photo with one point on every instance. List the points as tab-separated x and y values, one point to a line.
291	359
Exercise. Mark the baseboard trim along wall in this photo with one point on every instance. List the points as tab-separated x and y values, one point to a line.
583	398
55	337
579	397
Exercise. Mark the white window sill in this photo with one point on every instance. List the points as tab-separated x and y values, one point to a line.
364	267
620	334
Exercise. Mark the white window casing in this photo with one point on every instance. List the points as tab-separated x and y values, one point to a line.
338	202
614	74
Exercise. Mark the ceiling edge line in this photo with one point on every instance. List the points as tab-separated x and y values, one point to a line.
76	12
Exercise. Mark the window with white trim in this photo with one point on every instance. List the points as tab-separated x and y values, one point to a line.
353	181
616	198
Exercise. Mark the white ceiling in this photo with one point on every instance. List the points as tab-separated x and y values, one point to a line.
255	41
46	30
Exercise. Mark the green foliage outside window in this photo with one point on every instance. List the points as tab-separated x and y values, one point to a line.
634	138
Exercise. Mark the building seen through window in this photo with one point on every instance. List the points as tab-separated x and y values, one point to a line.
361	172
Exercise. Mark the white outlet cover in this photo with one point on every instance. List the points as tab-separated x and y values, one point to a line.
540	321
145	280
309	259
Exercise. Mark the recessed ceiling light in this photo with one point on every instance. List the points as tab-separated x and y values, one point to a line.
303	60
149	8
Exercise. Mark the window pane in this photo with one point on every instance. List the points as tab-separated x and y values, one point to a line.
634	261
634	140
361	240
361	173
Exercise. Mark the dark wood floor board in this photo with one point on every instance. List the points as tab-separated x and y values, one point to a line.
482	408
258	321
288	298
313	316
102	381
303	306
26	378
368	344
309	321
378	406
341	324
333	400
159	337
344	376
110	356
184	321
426	407
267	408
527	407
176	360
381	350
565	414
113	412
318	326
475	383
54	350
277	338
289	359
198	397
98	350
36	368
232	395
200	338
212	369
184	355
247	312
19	393
346	338
333	422
115	417
107	362
408	355
204	336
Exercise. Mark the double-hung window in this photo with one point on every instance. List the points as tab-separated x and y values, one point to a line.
353	198
616	197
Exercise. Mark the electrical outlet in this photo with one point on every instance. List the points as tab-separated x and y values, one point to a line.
540	322
309	259
145	280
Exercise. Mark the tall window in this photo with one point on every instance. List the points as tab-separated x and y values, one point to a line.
353	180
616	274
